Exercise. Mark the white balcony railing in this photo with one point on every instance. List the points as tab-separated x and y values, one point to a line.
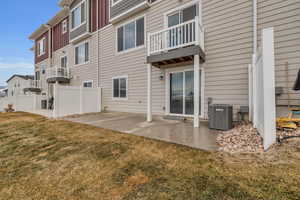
35	84
182	35
58	72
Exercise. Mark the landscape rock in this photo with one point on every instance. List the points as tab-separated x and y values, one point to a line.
244	138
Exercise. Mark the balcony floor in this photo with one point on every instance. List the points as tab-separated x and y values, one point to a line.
175	56
37	90
58	79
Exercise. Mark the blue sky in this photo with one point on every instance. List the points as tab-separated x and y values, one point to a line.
18	19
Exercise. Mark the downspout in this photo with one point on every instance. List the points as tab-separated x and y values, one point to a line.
254	27
98	49
50	42
252	98
50	57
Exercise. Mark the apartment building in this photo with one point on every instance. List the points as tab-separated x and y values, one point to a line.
17	84
66	47
144	54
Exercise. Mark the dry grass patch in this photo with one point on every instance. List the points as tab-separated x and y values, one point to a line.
44	159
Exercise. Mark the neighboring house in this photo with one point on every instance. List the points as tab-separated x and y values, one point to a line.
3	91
17	84
144	53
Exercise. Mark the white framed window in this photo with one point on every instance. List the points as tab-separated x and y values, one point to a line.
82	53
43	68
63	62
120	87
131	35
87	84
183	14
37	75
78	15
64	26
41	46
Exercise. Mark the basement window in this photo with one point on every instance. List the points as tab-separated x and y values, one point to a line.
88	84
120	87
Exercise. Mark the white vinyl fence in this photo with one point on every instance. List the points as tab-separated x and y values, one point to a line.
67	101
262	93
76	100
25	103
3	103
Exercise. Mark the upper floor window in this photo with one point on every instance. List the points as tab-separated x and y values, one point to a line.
37	75
82	53
131	35
78	15
63	61
64	26
41	47
43	68
182	16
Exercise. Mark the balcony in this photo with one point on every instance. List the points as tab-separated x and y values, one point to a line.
58	74
34	86
176	44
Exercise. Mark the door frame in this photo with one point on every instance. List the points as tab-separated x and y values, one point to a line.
167	90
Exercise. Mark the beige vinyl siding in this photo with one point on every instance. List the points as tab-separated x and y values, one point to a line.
228	44
284	16
43	77
133	64
228	48
86	71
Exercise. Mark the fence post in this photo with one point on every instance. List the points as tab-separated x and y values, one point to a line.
55	111
16	103
80	100
99	99
254	85
269	87
250	94
34	102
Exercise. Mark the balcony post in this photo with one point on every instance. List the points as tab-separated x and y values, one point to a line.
197	31
149	93
148	44
196	90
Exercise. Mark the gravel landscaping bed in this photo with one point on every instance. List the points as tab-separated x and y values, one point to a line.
244	138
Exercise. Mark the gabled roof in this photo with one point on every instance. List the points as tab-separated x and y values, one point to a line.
65	3
38	32
25	77
63	13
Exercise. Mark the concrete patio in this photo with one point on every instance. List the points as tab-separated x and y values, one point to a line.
174	131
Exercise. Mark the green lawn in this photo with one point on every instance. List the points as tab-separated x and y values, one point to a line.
59	160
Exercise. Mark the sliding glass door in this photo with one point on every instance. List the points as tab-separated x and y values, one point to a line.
176	91
182	93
